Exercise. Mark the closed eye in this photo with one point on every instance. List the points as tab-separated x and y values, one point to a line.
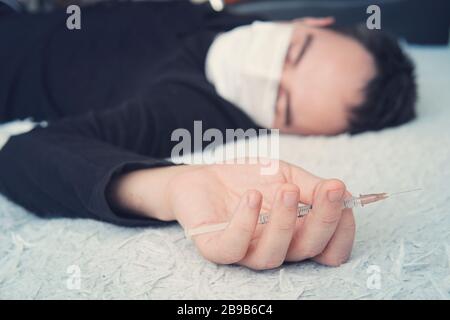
306	44
301	53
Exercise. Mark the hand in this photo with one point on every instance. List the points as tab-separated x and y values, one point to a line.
238	193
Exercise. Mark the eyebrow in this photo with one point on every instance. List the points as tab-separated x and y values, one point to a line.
306	44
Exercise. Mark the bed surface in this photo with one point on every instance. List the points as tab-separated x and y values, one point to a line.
403	242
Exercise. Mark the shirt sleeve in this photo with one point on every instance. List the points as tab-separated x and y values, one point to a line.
64	169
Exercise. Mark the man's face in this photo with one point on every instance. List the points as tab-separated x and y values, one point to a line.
323	78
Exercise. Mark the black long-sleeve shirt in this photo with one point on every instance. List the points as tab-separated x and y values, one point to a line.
113	94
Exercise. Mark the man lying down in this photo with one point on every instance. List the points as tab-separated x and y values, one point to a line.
114	91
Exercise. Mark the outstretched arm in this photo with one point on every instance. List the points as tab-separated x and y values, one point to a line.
65	168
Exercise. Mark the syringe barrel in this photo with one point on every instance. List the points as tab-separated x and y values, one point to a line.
348	203
352	202
303	210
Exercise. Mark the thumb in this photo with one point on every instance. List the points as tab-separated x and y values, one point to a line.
232	244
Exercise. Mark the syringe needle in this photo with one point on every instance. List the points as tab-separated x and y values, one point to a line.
397	193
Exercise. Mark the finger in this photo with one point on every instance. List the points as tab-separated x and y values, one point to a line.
317	22
306	181
272	247
340	246
320	224
231	245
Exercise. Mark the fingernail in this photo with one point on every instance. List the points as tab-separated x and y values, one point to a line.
290	199
253	200
335	195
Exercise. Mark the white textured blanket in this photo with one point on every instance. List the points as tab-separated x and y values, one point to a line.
402	247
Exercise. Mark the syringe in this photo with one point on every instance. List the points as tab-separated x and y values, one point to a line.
302	211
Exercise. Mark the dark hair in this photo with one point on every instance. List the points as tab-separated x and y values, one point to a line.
390	97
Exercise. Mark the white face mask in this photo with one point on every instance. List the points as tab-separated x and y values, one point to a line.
245	66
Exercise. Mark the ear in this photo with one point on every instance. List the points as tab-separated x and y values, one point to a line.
303	24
